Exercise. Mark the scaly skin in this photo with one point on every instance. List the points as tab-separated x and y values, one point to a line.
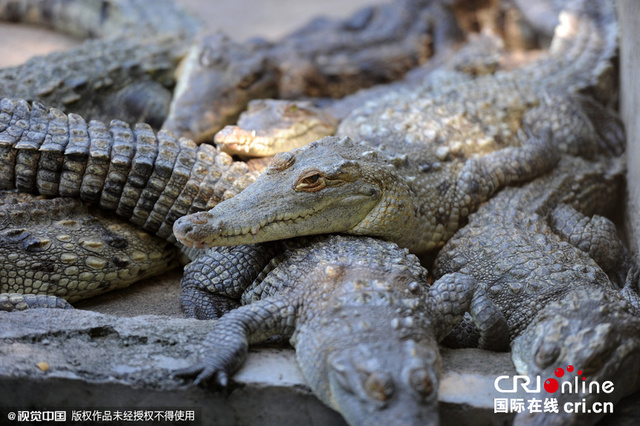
146	178
103	18
217	80
60	248
270	126
127	75
376	45
323	58
422	172
342	186
124	78
591	329
554	268
150	179
363	321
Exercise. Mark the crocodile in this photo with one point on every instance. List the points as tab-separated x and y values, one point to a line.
65	252
103	18
128	73
334	58
270	126
326	57
424	162
559	276
128	78
147	178
217	80
363	320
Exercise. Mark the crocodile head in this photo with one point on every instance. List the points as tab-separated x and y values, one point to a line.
594	333
270	126
329	186
217	80
386	383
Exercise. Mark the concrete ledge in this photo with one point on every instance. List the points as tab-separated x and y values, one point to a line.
81	360
97	361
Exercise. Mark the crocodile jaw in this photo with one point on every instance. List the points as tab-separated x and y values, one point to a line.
402	366
596	335
258	215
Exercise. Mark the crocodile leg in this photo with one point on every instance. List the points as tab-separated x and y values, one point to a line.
225	348
213	283
580	126
454	294
631	290
17	302
482	177
596	236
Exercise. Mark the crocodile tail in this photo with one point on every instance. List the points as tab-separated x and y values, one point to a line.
151	179
582	50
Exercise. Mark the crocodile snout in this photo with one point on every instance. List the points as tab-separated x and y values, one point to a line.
197	230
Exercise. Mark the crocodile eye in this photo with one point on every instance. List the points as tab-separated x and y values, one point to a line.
421	382
210	57
379	386
593	366
249	79
311	182
546	354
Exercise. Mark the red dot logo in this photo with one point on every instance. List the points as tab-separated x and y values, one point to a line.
569	368
559	372
551	385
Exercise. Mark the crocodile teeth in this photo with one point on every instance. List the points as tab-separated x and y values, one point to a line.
255	229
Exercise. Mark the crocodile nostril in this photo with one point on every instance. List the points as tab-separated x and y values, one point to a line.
182	226
198	219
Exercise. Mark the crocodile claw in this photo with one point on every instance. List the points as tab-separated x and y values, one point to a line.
204	373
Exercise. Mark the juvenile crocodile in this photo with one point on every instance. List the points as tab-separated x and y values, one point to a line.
554	269
128	74
217	80
103	18
64	251
422	170
326	57
125	78
270	126
363	321
149	179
